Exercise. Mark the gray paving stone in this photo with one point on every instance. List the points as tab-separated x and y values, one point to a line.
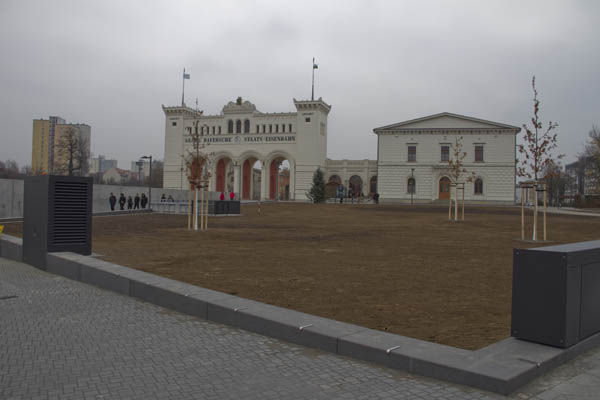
68	340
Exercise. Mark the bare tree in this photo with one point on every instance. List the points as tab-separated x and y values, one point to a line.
537	156
10	170
73	154
591	159
196	163
459	175
539	143
83	155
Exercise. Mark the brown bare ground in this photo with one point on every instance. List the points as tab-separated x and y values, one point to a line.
400	269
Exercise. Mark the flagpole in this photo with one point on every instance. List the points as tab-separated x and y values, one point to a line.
312	96
183	90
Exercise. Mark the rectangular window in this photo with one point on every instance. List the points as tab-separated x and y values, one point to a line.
264	128
270	128
307	119
276	127
219	130
445	156
174	123
257	128
412	153
290	127
479	153
282	127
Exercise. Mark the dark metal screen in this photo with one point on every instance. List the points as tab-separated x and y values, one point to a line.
70	219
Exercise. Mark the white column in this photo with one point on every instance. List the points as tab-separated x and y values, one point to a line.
212	185
264	180
236	177
292	180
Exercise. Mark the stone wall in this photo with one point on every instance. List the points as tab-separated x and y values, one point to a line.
11	196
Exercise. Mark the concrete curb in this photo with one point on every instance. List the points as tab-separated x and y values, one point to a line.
501	367
96	214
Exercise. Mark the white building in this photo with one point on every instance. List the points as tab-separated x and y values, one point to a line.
241	138
412	155
413	158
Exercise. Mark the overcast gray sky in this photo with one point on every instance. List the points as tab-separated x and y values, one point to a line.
111	64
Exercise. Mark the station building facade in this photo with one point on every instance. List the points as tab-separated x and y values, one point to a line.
242	139
274	155
413	158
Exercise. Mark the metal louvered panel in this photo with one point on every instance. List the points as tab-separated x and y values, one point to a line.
70	222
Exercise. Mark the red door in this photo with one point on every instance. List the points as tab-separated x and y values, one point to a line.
221	176
246	176
444	189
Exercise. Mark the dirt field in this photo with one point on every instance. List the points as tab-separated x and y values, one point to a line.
393	268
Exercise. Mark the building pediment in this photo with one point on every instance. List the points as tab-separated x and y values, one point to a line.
445	121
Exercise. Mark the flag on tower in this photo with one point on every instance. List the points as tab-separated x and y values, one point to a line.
186	76
315	66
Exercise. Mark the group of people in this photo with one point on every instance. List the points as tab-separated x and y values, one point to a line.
132	203
164	199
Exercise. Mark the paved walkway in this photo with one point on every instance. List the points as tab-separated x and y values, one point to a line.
61	339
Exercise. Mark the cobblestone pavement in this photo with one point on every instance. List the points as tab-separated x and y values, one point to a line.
61	339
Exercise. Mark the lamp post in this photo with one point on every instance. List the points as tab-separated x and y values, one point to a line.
149	180
412	181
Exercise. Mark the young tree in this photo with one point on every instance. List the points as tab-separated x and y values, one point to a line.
457	171
538	144
536	152
591	164
556	182
196	163
317	190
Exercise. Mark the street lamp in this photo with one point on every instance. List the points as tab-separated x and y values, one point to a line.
149	180
412	189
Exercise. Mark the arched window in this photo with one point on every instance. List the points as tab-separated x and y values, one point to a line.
411	186
373	184
282	127
478	186
213	130
238	126
230	126
276	128
246	126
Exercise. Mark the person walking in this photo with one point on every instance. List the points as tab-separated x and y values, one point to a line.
112	200
122	201
129	203
136	201
163	198
144	200
170	199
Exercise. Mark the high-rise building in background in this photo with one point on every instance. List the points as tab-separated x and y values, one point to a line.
48	155
99	165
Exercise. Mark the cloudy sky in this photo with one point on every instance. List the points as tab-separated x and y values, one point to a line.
111	64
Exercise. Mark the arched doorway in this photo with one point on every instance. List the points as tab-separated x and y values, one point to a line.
224	175
373	185
355	185
279	179
332	186
220	175
251	179
444	188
